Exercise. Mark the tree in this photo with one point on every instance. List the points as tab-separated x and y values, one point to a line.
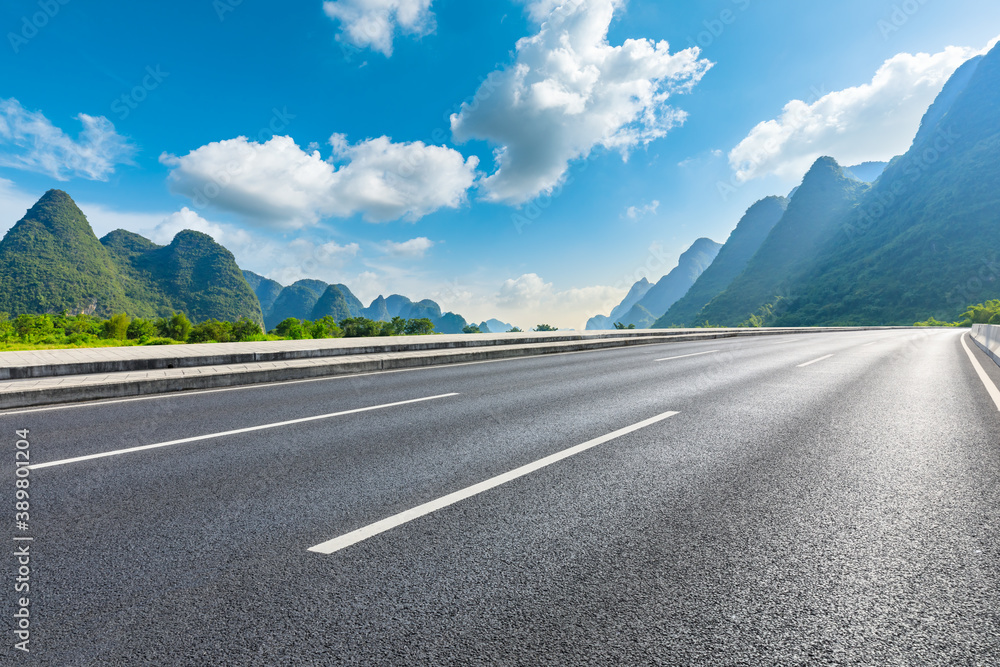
360	327
515	330
139	328
246	329
419	327
545	327
471	329
177	327
211	330
619	325
398	326
116	328
325	327
290	327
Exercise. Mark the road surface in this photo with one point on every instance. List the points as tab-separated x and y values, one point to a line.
814	499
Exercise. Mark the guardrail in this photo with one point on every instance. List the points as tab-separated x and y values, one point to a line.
987	336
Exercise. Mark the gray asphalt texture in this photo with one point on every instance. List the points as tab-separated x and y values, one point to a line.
845	513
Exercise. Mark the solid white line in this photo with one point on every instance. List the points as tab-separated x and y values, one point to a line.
233	432
685	356
814	361
991	388
361	534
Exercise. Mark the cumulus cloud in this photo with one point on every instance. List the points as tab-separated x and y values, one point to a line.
417	247
871	122
29	141
529	297
568	92
373	23
278	184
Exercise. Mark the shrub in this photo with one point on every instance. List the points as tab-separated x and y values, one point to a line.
140	328
211	330
116	327
246	329
177	327
419	327
290	328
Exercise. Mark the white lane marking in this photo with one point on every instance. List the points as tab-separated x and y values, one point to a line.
814	361
685	356
871	343
222	434
991	388
371	530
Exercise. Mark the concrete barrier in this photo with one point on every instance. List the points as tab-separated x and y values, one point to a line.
987	336
61	376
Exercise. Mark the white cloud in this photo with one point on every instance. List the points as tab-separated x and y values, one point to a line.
568	92
373	23
417	247
278	184
636	212
14	203
29	141
871	122
529	298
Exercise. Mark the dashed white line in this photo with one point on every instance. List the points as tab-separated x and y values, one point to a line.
685	356
991	388
814	361
222	434
371	530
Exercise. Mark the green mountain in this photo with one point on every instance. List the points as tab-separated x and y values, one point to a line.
814	216
267	290
296	301
637	291
193	275
925	241
377	311
332	304
51	261
732	259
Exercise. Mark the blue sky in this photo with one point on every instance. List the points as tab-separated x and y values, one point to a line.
598	138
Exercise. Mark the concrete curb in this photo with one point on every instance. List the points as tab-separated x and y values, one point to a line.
373	359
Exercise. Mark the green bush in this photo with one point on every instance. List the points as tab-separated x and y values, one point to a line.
291	328
116	327
246	329
177	327
140	328
360	327
211	331
418	327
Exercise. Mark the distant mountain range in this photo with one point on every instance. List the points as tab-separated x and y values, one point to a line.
645	299
876	243
51	261
314	299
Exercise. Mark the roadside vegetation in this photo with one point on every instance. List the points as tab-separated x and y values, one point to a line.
983	313
41	332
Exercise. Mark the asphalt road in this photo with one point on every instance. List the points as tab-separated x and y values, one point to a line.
844	511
